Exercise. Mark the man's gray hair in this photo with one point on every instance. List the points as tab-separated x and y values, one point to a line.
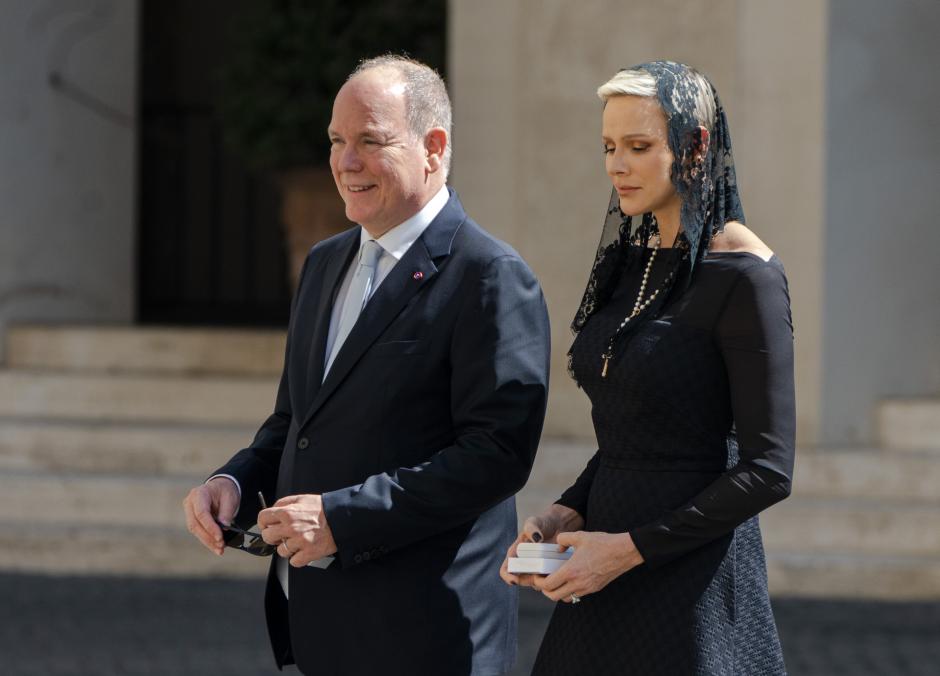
427	104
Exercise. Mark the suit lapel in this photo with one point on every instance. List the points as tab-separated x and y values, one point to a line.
332	278
410	274
415	269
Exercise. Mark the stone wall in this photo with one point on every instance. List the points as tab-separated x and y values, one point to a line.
528	160
882	290
67	167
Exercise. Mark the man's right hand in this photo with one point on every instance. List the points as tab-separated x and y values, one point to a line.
216	499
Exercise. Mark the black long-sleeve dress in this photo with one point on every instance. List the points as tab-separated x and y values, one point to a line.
695	426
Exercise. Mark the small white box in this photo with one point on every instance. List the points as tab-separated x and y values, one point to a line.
539	566
538	550
538	558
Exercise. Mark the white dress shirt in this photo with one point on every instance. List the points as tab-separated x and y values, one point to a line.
395	244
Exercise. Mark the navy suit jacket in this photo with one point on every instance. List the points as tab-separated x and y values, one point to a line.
425	427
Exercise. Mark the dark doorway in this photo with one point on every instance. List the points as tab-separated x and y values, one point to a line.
210	249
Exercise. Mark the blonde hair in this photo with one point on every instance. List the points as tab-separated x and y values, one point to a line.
638	82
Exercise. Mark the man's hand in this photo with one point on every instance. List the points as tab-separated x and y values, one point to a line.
217	499
297	525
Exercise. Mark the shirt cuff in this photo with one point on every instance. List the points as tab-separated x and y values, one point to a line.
238	487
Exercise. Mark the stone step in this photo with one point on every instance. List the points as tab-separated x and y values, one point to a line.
93	500
126	500
118	550
105	524
161	552
822	524
872	474
160	449
821	572
210	400
814	525
850	575
827	473
153	450
133	525
133	349
909	424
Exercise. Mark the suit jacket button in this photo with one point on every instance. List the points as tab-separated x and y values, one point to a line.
357	558
303	443
366	556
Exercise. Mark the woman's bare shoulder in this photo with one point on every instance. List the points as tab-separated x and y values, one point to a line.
737	237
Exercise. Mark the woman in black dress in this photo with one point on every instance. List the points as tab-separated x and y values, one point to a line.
684	347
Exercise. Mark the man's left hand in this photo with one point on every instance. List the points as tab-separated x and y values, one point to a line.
598	558
297	525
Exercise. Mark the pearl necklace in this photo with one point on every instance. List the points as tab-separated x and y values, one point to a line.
638	307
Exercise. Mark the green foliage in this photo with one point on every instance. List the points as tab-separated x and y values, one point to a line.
291	56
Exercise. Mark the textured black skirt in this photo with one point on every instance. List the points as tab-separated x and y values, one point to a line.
705	613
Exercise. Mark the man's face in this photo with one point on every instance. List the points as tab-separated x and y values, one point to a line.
380	168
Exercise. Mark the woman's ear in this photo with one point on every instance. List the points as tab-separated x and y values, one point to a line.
701	138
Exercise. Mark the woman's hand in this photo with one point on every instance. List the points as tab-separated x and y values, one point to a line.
542	528
598	558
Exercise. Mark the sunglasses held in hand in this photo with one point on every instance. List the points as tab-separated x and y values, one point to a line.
247	540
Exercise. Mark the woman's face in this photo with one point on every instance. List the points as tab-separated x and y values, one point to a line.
638	158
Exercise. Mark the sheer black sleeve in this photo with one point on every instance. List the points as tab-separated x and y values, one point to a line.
576	497
755	334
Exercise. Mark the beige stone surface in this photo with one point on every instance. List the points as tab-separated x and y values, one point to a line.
150	450
871	474
854	577
852	528
828	525
863	547
134	551
97	464
557	464
93	397
528	162
910	424
778	123
142	350
29	499
527	159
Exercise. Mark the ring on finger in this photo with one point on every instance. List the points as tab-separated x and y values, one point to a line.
286	549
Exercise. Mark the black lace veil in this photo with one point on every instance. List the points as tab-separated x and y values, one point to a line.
708	188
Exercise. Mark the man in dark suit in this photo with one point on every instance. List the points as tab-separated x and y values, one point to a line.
408	414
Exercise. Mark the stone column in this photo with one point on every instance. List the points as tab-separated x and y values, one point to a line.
67	168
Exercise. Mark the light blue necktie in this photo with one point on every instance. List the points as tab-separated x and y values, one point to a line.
356	298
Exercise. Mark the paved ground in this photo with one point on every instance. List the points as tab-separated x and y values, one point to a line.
57	626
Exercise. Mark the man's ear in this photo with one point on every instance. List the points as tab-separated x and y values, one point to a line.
435	143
